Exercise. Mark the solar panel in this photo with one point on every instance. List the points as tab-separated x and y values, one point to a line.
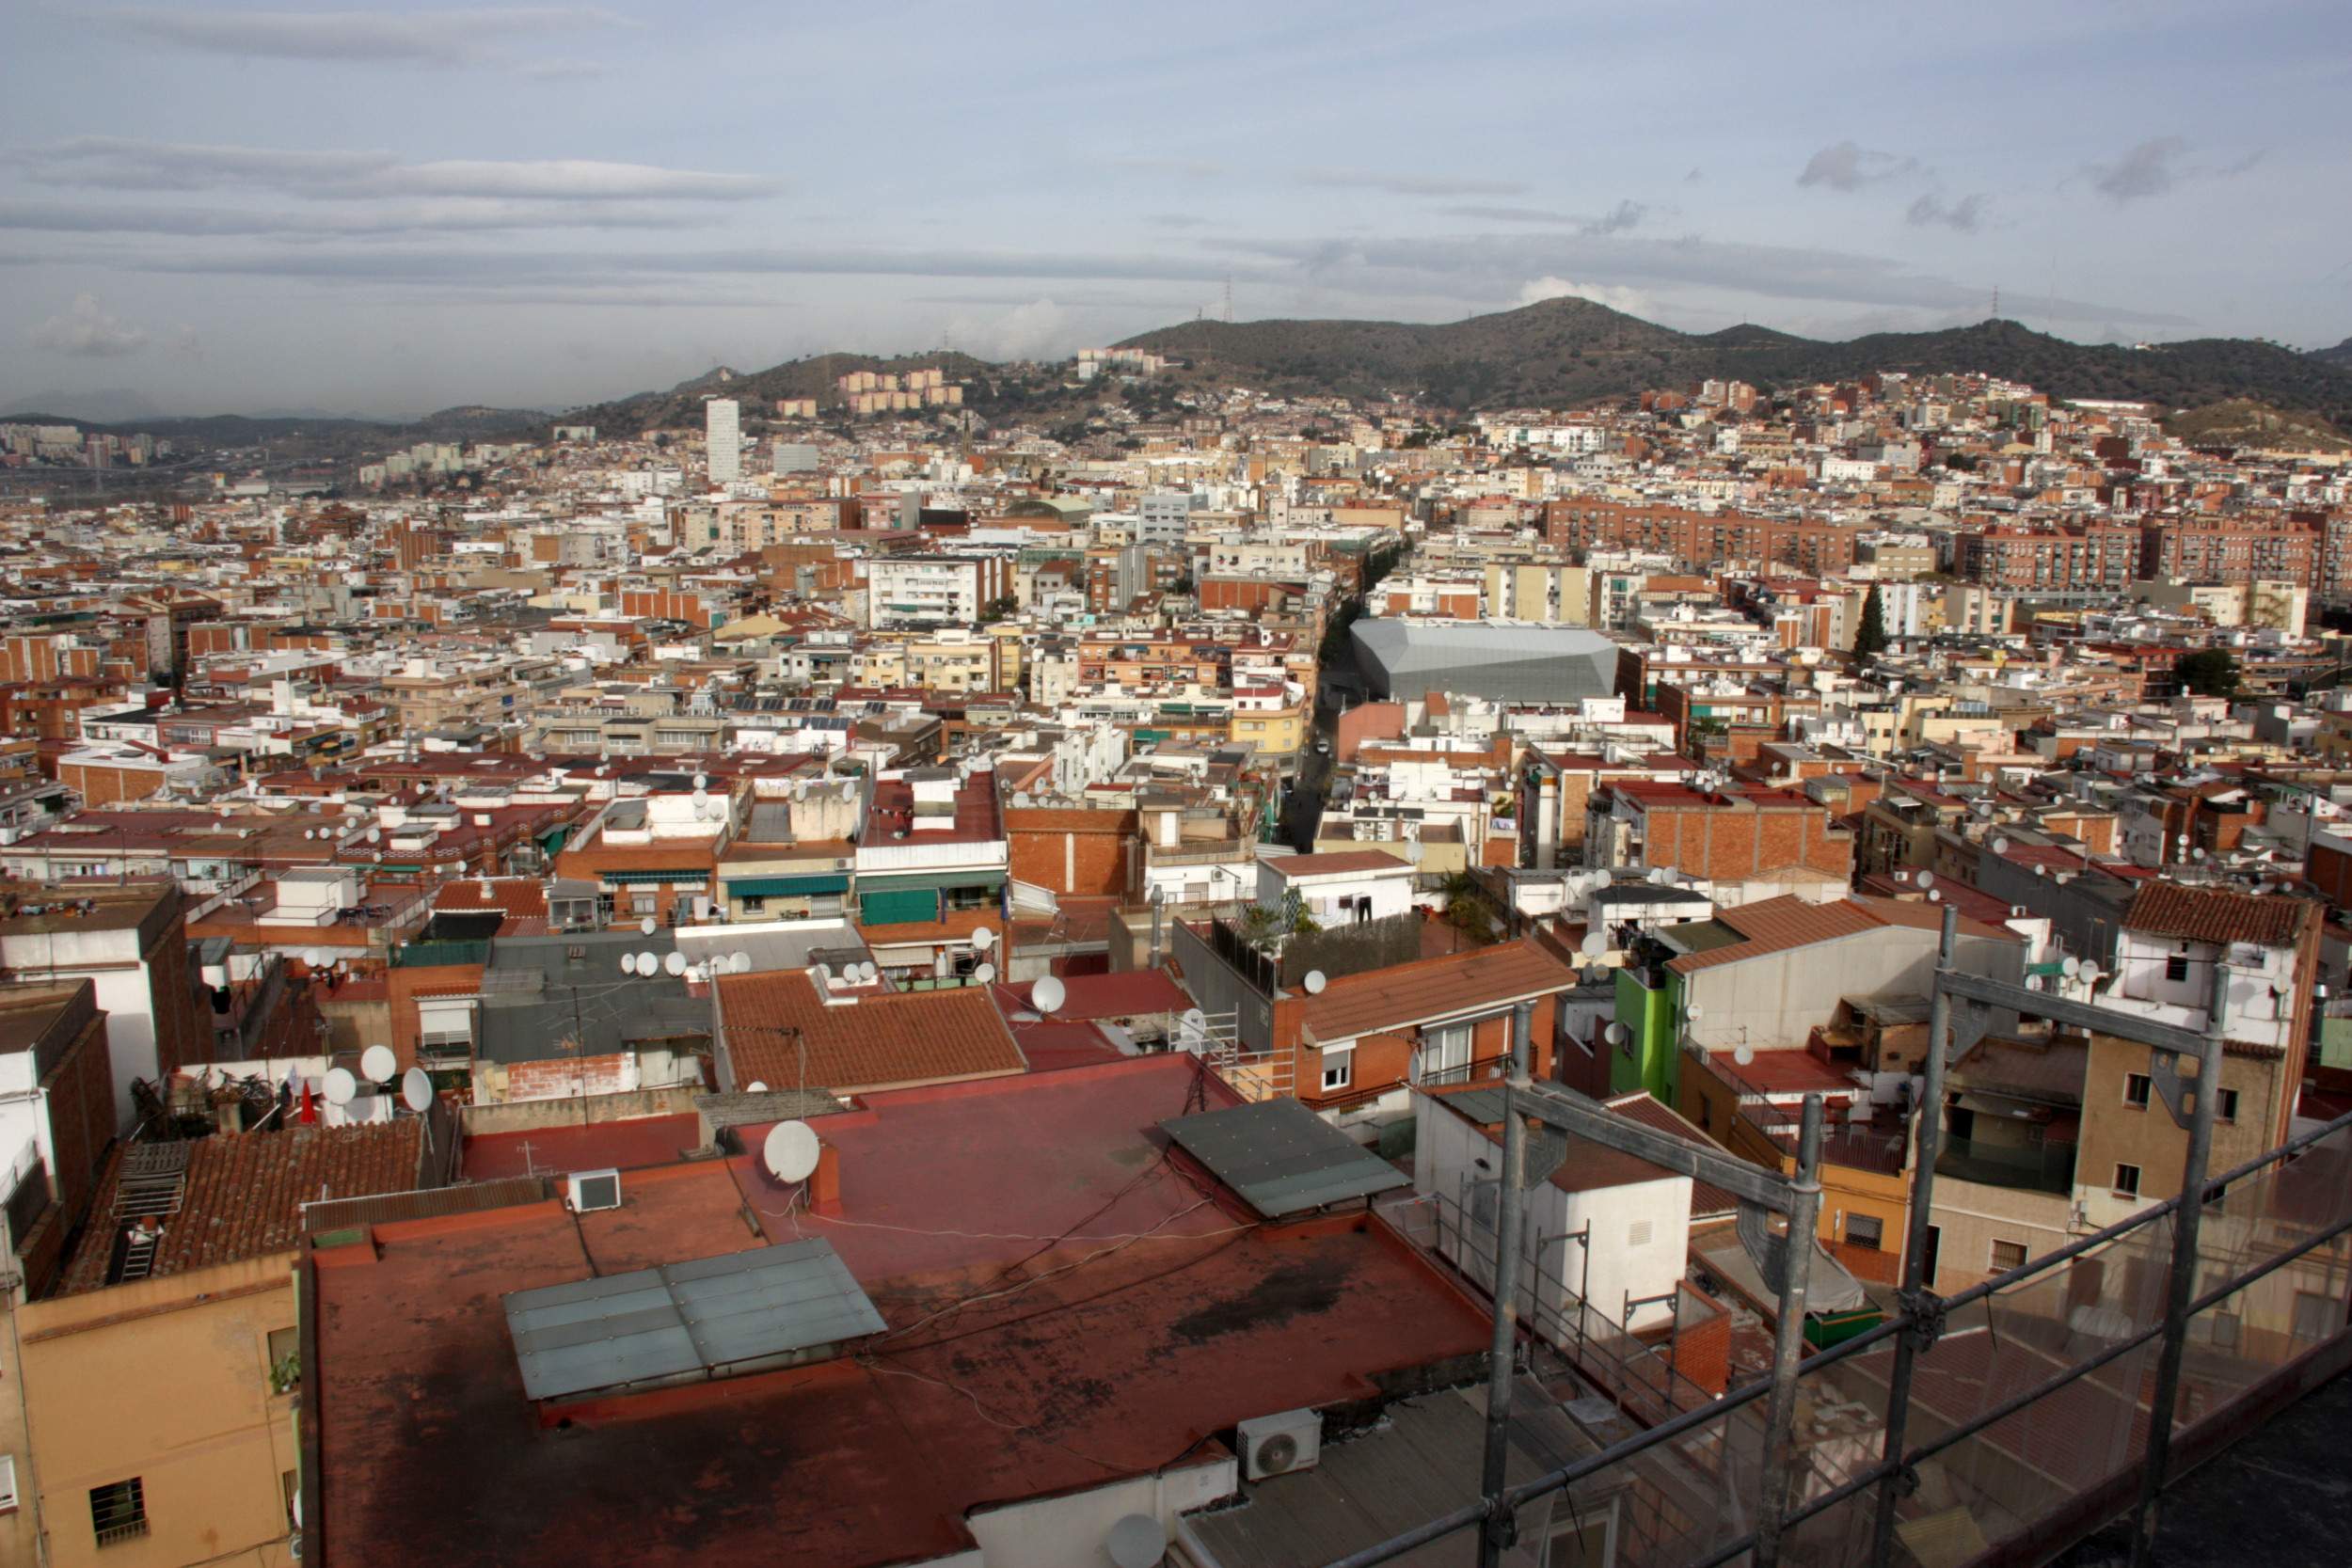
685	1322
1283	1158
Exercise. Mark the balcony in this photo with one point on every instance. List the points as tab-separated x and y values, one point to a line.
2047	1169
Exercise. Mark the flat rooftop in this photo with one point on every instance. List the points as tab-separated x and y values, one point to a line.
1066	1305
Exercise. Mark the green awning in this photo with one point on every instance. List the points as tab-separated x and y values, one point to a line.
672	878
784	887
928	881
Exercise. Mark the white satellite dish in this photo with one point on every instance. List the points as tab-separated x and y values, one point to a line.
1136	1542
1743	1055
982	939
2091	974
791	1152
629	964
2072	967
1934	897
1315	982
1618	1034
1692	1011
867	973
645	926
2000	844
378	1063
985	974
755	1087
416	1089
738	963
375	835
314	957
675	963
341	1085
1048	995
702	782
2033	982
1926	878
1596	943
648	963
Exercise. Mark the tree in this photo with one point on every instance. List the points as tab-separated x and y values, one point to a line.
2208	672
1870	640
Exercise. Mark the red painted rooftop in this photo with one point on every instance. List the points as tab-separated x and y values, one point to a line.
1090	1360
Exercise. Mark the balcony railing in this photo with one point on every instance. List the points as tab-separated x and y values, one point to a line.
2047	1169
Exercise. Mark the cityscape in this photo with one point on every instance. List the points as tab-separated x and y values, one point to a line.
1217	903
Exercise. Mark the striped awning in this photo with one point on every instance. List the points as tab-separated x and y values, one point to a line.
671	878
784	887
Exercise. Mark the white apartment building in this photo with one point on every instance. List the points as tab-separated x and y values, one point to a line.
723	439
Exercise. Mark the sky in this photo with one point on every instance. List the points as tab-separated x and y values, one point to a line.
384	210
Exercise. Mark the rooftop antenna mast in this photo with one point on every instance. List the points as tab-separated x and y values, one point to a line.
1229	299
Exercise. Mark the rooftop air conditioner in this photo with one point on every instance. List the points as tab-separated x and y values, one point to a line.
591	1190
1276	1445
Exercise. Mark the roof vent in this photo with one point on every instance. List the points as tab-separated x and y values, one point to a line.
591	1190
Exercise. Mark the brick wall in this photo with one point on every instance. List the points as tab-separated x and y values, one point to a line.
570	1076
1071	851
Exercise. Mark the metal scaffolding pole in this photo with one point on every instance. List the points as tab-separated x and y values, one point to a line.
1929	1120
1499	1527
1780	1417
2182	1291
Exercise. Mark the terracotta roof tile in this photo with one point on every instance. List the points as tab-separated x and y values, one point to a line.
1404	994
2218	915
1335	863
246	1191
880	1040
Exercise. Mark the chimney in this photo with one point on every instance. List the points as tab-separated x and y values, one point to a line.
824	1183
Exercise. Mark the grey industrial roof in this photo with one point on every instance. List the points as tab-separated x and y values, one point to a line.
1283	1158
1542	663
682	1322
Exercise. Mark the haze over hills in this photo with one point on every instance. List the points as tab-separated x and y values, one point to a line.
1565	351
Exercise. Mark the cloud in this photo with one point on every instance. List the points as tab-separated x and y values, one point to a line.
1038	328
446	37
86	331
1633	302
1693	177
2144	170
1848	167
565	69
1406	184
1623	216
1177	220
457	216
1966	214
122	163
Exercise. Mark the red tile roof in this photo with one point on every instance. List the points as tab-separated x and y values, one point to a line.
1409	993
892	1037
2218	915
246	1191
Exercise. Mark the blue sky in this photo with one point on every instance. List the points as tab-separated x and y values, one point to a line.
391	209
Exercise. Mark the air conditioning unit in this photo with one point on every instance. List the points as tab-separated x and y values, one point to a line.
591	1190
1276	1445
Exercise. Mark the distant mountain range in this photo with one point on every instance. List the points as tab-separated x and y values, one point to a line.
1561	353
1564	352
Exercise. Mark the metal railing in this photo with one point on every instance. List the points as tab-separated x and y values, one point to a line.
2010	1417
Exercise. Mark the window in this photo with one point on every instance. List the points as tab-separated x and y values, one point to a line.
1864	1231
2176	968
2128	1181
118	1511
2225	1107
290	1483
756	904
2136	1089
2007	1256
7	1483
2316	1317
1339	1067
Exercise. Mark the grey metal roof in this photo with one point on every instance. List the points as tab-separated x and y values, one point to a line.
1522	662
683	1322
1283	1158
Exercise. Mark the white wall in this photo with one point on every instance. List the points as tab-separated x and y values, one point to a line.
1056	1532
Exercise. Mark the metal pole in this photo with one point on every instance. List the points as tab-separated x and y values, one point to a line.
1780	1417
2182	1291
1499	1527
1929	1118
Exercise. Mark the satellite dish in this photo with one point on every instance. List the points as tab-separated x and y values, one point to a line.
982	939
702	782
645	926
1934	897
1596	943
675	963
755	1087
1658	876
375	835
1048	995
2072	967
1136	1542
738	963
2033	982
648	963
791	1152
1743	1055
378	1063
1692	1011
341	1085
1315	982
985	974
1926	878
2000	845
1616	1034
2091	973
416	1089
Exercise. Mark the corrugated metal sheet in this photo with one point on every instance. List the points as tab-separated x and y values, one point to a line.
713	1317
1283	1158
471	1198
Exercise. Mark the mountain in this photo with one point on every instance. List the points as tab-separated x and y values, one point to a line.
1563	352
680	407
2340	355
464	424
2239	423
